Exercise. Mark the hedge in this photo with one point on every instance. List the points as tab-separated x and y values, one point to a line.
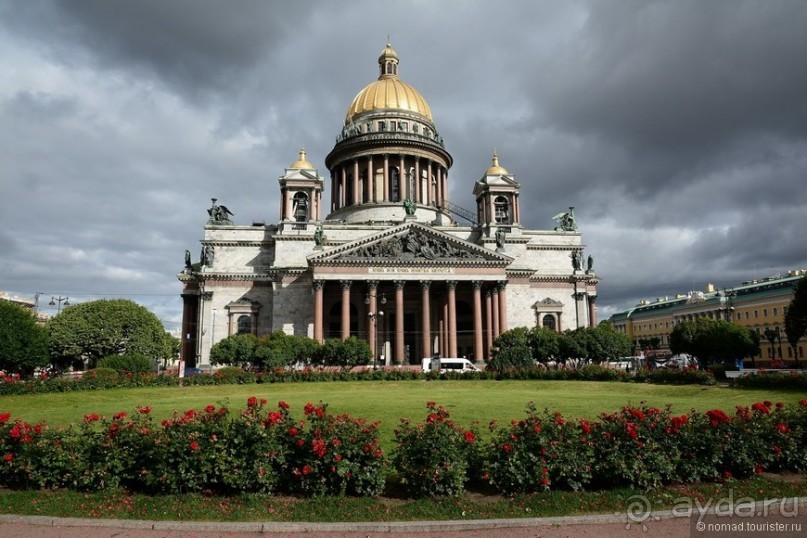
101	378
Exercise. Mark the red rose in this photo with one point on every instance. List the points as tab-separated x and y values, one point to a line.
282	405
4	417
252	401
470	437
194	445
210	408
8	457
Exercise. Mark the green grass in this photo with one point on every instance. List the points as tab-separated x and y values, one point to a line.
387	402
123	505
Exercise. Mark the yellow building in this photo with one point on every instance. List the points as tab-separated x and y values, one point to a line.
759	305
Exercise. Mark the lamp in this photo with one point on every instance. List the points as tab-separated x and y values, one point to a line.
375	317
61	300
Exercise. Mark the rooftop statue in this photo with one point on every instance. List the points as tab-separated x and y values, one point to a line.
409	206
566	221
577	260
500	239
219	214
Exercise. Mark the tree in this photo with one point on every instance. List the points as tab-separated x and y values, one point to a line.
511	351
97	329
796	317
574	345
713	341
344	353
23	343
544	344
236	350
279	349
612	344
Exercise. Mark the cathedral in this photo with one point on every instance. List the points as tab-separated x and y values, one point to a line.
390	259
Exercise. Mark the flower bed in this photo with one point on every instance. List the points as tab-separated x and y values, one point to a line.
265	451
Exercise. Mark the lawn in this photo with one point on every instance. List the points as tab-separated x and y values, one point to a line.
384	401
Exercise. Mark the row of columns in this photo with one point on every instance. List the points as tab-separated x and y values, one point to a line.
488	322
362	174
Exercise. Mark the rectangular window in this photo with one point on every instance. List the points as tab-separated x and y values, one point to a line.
765	312
756	314
382	126
775	311
746	314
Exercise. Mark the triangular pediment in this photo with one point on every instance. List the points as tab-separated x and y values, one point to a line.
410	242
300	174
548	302
495	183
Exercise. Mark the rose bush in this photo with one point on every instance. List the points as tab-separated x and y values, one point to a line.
541	452
266	450
433	458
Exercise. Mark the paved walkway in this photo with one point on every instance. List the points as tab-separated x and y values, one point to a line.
579	526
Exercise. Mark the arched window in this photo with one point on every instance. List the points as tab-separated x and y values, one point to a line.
300	201
549	322
502	208
244	324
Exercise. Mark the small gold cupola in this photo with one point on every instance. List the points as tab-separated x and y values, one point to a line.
495	169
388	63
302	163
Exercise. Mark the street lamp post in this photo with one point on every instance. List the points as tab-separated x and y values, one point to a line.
727	303
60	300
375	317
779	337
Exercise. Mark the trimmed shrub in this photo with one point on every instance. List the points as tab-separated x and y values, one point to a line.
131	363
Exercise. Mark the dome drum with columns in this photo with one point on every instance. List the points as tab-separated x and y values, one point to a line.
388	151
387	241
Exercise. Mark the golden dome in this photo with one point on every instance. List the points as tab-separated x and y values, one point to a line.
388	92
302	163
495	169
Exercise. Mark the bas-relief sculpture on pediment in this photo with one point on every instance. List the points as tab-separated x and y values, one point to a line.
413	244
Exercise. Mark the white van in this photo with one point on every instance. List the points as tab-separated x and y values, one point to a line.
444	365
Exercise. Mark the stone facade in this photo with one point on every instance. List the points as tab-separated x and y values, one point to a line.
389	243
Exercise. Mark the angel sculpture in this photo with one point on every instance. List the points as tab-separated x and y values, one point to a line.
566	222
219	214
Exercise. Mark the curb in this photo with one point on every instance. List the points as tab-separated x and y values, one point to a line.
379	527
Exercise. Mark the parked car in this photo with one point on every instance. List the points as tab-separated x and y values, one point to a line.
681	362
193	371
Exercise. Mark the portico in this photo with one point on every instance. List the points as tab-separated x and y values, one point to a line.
432	284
